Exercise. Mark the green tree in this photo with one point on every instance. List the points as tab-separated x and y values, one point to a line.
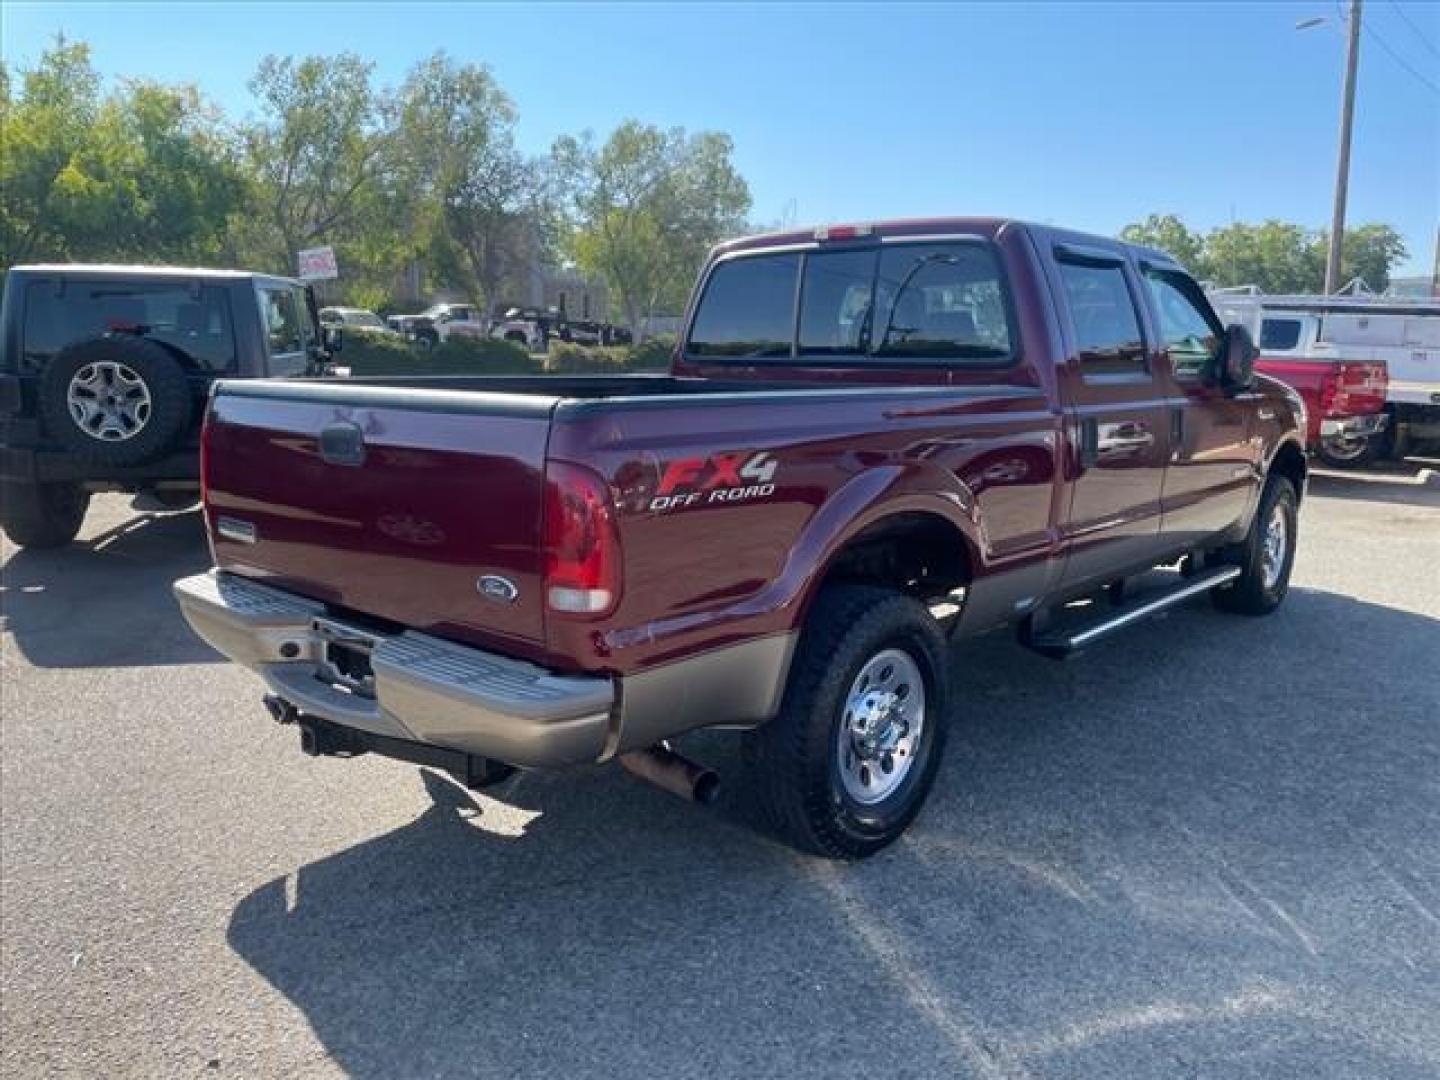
42	131
1369	252
649	203
1168	233
485	207
1277	256
317	153
145	172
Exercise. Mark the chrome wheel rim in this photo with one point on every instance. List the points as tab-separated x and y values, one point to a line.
1276	543
881	727
108	401
1344	449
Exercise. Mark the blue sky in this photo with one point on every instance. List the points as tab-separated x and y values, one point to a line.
1087	115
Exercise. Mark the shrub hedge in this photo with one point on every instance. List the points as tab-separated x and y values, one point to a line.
375	354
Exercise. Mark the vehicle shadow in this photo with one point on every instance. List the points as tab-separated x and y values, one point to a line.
106	601
1407	483
1168	884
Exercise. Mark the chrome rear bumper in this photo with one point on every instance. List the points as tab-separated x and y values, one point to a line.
422	689
1354	427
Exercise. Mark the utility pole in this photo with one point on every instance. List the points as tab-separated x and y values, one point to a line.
1342	168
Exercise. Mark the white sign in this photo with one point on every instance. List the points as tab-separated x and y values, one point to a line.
318	264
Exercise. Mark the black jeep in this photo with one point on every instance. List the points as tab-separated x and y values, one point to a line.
104	372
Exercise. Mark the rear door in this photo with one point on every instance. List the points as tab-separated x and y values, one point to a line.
1119	415
394	503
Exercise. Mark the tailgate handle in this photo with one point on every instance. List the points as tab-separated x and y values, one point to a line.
342	443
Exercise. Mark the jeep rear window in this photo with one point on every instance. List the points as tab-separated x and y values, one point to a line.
748	309
196	321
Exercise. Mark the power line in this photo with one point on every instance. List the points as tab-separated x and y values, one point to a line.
1434	89
1418	32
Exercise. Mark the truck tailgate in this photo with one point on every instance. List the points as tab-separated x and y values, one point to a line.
414	505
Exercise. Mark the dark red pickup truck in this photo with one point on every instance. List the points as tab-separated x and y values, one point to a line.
873	438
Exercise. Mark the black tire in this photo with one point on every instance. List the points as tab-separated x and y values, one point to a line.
1251	593
797	755
1348	455
155	433
42	515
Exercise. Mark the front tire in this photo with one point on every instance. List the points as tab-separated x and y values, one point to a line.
1266	555
42	515
847	763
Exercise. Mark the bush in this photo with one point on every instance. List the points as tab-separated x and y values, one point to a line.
377	354
652	355
568	359
565	358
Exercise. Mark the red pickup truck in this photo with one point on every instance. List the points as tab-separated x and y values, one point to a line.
1344	393
873	438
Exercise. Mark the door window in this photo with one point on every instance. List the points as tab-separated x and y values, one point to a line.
1188	330
282	321
748	309
1103	316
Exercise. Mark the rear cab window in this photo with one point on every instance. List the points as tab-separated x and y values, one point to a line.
193	318
748	309
894	304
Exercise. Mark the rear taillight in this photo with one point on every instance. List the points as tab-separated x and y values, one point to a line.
582	556
1352	389
1329	392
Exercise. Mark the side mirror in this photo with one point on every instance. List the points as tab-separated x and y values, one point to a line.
334	338
1236	363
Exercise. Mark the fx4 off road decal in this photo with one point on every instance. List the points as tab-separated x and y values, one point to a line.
719	478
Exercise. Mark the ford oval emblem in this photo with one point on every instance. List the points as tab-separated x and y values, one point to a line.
495	587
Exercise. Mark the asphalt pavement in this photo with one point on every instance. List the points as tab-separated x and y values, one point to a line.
1210	847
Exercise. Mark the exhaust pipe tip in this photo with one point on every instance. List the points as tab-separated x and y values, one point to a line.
707	787
672	772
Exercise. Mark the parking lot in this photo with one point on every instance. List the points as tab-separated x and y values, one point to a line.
1210	847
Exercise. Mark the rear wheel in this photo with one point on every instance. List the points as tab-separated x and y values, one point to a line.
42	515
1344	452
846	765
1266	555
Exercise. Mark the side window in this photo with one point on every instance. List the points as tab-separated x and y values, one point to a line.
940	301
282	321
1279	335
836	316
748	308
1187	330
1102	313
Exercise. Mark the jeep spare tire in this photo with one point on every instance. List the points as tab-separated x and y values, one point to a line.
116	400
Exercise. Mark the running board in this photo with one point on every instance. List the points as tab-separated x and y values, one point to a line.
1059	644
